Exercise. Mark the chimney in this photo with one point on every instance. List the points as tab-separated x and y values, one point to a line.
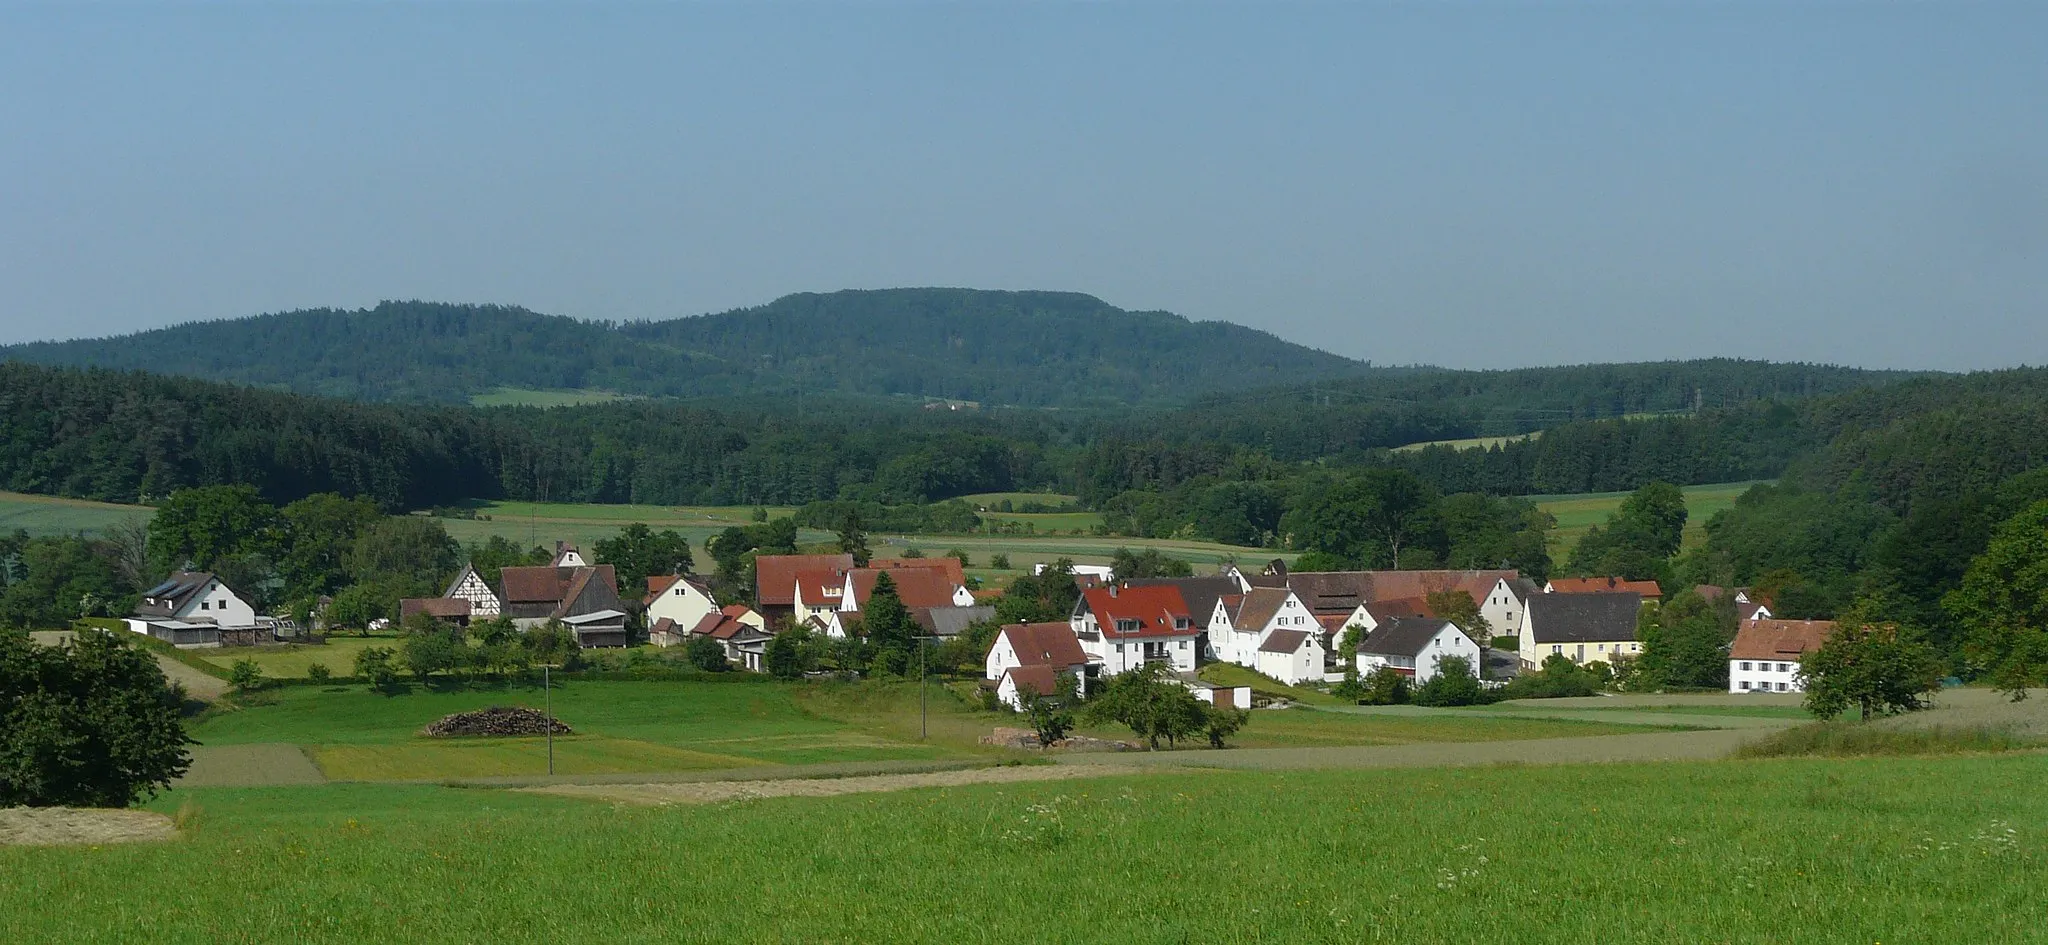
1112	590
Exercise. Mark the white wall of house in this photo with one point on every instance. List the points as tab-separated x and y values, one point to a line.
1007	694
1305	664
1120	655
483	602
1503	610
683	604
218	604
1764	676
1001	657
805	609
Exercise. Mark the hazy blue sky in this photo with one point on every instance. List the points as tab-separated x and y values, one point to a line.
1477	185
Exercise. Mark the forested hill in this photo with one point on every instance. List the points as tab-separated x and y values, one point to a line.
1001	348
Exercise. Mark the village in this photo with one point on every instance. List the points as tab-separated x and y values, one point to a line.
1296	628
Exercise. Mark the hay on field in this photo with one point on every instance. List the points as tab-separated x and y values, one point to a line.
62	826
710	792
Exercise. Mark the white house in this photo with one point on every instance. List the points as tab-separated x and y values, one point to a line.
1292	656
191	608
674	597
1015	680
1415	646
1122	628
1766	654
1582	627
1236	633
566	556
1034	644
471	586
1503	607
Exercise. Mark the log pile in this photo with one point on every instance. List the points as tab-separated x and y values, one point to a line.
496	721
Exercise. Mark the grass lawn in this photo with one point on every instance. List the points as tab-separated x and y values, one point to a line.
1728	852
1309	728
1476	442
531	397
1577	513
1231	674
981	499
49	515
290	661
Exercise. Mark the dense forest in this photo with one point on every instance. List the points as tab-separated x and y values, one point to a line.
1015	348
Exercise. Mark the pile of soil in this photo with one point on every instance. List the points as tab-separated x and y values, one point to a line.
496	721
63	826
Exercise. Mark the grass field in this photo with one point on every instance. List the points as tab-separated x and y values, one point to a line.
1577	513
1736	852
530	397
49	515
290	661
1469	443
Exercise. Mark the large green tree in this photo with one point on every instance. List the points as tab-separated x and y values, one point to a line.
891	632
1685	643
1379	518
638	553
53	581
202	526
319	532
1878	668
1639	538
2003	603
89	724
411	550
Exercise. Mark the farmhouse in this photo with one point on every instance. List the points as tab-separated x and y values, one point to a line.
1584	628
1338	598
585	598
1034	654
1239	625
470	585
195	609
1122	628
1415	646
1766	654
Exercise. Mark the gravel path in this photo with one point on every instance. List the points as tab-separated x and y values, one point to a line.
709	792
198	685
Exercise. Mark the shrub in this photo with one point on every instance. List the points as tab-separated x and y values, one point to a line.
1045	717
376	665
319	673
1452	685
706	654
90	724
1559	678
245	676
1000	562
1386	686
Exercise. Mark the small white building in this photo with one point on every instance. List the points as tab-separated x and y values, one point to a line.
1034	644
1766	654
1292	656
1239	625
681	599
1415	646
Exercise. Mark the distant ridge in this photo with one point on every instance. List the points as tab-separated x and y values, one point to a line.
1037	349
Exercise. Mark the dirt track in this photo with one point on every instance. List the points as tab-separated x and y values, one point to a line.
709	792
198	685
52	826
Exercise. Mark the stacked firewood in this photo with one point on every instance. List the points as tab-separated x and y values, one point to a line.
498	720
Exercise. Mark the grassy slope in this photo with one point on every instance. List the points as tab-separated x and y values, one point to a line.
49	515
1577	513
529	397
1739	852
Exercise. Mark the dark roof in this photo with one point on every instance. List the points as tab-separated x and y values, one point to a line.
439	607
1200	593
1284	641
775	575
950	621
1584	618
1050	644
548	591
1406	636
175	592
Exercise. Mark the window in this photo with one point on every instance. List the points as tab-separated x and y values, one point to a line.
1781	687
679	590
1745	686
1745	668
1603	647
1559	650
202	605
1784	667
1119	648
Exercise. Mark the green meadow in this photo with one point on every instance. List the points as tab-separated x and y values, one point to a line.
50	515
531	397
1768	851
1577	513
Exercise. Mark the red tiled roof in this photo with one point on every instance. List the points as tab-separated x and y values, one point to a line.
657	584
1779	639
1039	679
1400	607
775	575
818	587
916	587
717	626
1604	585
1051	644
950	566
736	611
1154	608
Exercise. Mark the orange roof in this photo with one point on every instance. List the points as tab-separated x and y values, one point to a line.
818	587
775	575
987	594
949	565
1154	608
1779	639
1039	679
1604	585
916	587
657	584
735	611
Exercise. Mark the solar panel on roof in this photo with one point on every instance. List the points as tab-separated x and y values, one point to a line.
159	589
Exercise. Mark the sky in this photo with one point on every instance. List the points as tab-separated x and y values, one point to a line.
1468	184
